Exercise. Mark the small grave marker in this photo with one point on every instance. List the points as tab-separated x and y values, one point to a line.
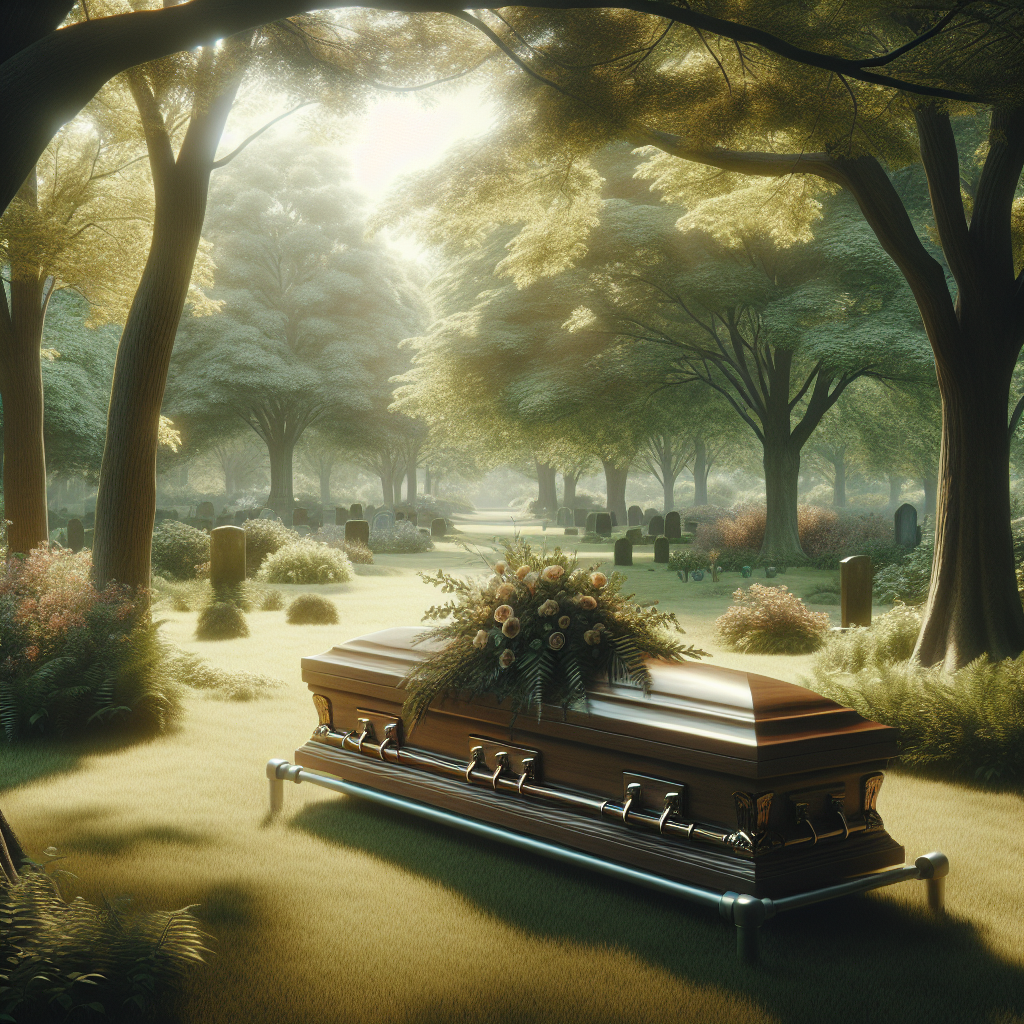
603	524
355	510
227	557
579	517
855	590
634	515
661	550
623	551
656	527
438	528
905	526
76	535
358	530
673	528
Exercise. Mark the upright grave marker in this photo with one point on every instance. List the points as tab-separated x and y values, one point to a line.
634	515
227	557
438	528
656	527
591	524
661	550
673	528
905	526
355	511
76	535
603	524
855	590
300	517
579	517
358	530
623	551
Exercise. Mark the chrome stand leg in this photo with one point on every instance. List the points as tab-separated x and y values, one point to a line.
747	913
746	943
936	895
933	868
276	795
277	771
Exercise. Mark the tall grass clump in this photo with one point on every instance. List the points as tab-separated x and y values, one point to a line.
74	659
179	550
306	561
70	960
264	537
198	674
964	723
402	538
334	537
771	620
312	610
221	620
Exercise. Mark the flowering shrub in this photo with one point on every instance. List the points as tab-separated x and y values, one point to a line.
75	659
537	630
264	537
306	561
402	538
312	610
179	550
334	537
771	620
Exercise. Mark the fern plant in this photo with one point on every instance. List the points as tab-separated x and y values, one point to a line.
537	631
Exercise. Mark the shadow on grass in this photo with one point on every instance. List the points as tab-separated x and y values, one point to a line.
855	959
28	760
128	840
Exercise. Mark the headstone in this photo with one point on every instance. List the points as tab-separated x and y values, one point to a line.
341	516
227	557
268	513
673	528
855	590
368	513
241	516
656	527
383	520
286	517
591	526
438	528
302	531
205	510
399	516
614	519
691	525
635	535
76	534
204	524
355	511
603	524
905	526
572	531
579	517
315	520
564	517
358	530
649	514
745	572
623	551
634	515
661	549
770	571
300	516
697	575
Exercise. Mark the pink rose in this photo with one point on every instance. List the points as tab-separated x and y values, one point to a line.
556	641
549	607
522	572
499	568
480	640
511	627
598	580
563	622
506	659
503	612
552	573
588	602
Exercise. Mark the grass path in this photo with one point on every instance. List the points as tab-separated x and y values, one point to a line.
342	912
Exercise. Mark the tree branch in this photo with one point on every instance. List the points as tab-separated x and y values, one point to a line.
255	135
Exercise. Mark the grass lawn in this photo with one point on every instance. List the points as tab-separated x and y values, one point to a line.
338	911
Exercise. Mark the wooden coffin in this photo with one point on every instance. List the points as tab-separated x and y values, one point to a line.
717	778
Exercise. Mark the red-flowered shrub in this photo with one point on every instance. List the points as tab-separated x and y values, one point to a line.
771	620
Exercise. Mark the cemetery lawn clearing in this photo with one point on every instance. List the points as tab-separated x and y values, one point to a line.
339	911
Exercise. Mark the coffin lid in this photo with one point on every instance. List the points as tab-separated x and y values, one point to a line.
693	705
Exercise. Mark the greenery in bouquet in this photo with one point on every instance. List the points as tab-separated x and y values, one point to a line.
537	631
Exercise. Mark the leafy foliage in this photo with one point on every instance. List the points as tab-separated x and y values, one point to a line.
68	959
312	610
907	580
221	620
179	550
537	632
771	620
402	538
264	537
76	659
198	674
306	561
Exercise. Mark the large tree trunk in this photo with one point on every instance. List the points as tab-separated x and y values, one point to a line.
547	491
895	489
839	480
781	475
700	472
326	468
410	484
387	488
282	495
569	481
930	486
615	490
126	499
668	488
428	486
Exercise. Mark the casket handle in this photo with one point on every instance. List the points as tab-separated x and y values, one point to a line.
804	818
501	765
836	806
633	793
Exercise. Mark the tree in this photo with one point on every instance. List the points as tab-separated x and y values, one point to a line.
307	304
833	447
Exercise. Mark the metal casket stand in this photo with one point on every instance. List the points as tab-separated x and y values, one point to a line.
746	912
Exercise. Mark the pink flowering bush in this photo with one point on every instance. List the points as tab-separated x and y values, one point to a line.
771	620
73	658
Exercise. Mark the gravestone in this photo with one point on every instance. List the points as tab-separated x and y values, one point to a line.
300	516
358	530
656	527
745	572
302	531
591	525
205	510
649	514
579	517
635	535
76	534
673	528
691	525
905	526
227	557
225	520
355	511
634	515
614	519
661	549
438	528
697	575
204	524
623	551
241	516
341	516
368	513
399	516
383	520
572	531
563	517
603	524
855	590
286	517
268	513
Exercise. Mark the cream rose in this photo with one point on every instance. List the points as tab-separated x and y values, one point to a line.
563	622
548	608
506	659
480	640
552	573
500	568
587	602
556	641
522	572
592	637
598	580
504	592
510	627
503	612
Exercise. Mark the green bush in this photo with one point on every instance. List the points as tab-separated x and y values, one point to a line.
771	620
358	553
908	580
402	538
75	659
306	561
273	601
221	620
264	537
198	674
312	610
690	559
179	550
889	639
64	960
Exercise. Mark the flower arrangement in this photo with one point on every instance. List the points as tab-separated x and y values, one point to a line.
536	632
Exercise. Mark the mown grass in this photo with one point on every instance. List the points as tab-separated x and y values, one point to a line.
338	911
